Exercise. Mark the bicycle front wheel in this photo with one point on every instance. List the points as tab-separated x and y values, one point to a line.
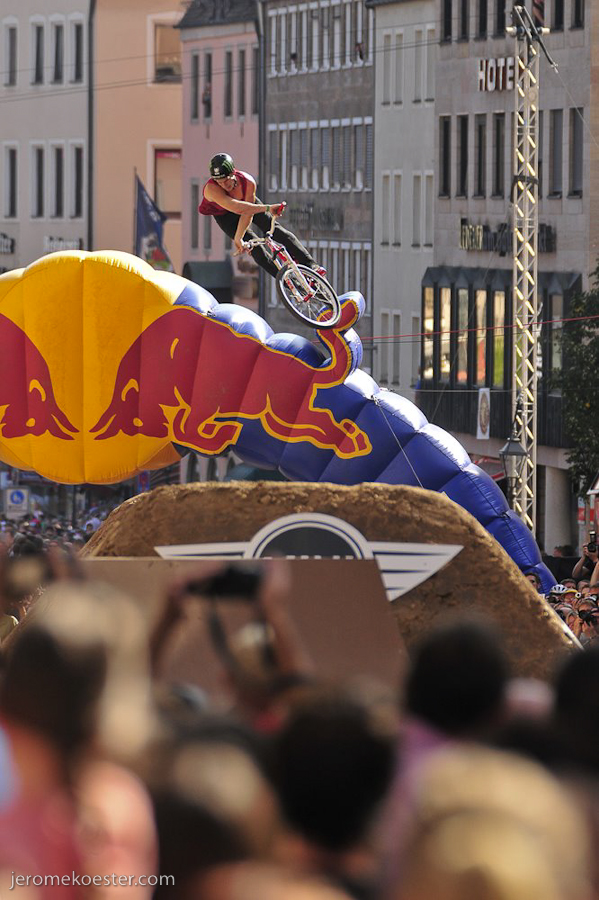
319	307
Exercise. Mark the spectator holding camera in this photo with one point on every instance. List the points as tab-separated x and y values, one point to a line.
586	564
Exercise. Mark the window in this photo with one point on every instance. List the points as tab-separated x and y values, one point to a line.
272	20
58	198
464	20
38	183
396	209
194	229
428	210
38	54
336	161
228	98
428	318
385	198
398	98
314	158
241	84
461	372
207	92
194	87
483	17
77	182
167	182
207	233
556	122
498	338
273	152
385	334
446	23
540	153
360	157
303	139
293	42
283	161
167	53
480	315
445	156
348	33
431	55
10	51
293	158
418	40
445	333
558	15
386	69
57	53
326	158
462	173
255	80
415	349
315	35
576	126
498	154
336	10
77	51
282	48
346	180
416	210
480	155
395	346
500	18
557	316
10	182
369	157
578	14
325	11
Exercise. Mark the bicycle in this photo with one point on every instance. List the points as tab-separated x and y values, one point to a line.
307	295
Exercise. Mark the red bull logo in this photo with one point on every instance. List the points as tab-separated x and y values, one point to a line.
27	402
195	381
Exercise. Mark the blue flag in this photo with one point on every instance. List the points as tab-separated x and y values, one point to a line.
149	221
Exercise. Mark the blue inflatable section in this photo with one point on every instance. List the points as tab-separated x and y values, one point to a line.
406	448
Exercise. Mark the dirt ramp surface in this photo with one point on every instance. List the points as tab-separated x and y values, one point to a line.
480	579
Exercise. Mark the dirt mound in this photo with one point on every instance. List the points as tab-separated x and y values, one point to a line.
481	578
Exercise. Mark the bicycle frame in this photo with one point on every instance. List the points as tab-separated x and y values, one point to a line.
282	258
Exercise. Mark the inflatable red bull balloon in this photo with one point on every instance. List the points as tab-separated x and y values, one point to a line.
109	367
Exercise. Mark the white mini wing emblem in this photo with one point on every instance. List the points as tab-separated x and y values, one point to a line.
312	535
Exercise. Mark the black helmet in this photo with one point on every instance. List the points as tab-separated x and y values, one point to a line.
221	165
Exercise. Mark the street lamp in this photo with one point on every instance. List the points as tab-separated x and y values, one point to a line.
513	457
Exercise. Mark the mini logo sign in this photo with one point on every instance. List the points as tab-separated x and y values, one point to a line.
312	535
7	244
482	237
496	74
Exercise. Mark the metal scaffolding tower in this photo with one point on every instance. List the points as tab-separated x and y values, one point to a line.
525	331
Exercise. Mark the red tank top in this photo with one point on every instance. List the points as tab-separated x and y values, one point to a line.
209	208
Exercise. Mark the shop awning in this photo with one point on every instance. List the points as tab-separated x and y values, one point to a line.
491	466
209	275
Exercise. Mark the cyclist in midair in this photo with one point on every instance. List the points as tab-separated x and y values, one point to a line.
229	196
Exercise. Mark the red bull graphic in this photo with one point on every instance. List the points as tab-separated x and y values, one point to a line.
27	403
109	368
182	345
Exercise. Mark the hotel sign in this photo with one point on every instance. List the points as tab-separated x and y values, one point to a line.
496	74
7	244
481	237
59	244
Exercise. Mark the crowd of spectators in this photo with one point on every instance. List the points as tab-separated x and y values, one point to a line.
575	598
464	783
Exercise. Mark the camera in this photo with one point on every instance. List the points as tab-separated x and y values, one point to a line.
233	583
587	616
592	544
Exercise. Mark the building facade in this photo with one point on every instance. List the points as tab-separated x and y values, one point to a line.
221	106
319	139
44	136
467	291
406	46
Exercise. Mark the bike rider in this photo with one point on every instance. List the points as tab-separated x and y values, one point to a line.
229	196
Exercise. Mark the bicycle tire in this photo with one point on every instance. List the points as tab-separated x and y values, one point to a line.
322	311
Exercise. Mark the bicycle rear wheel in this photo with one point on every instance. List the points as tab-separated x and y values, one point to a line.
321	309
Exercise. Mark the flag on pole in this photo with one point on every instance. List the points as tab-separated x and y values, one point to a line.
149	222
